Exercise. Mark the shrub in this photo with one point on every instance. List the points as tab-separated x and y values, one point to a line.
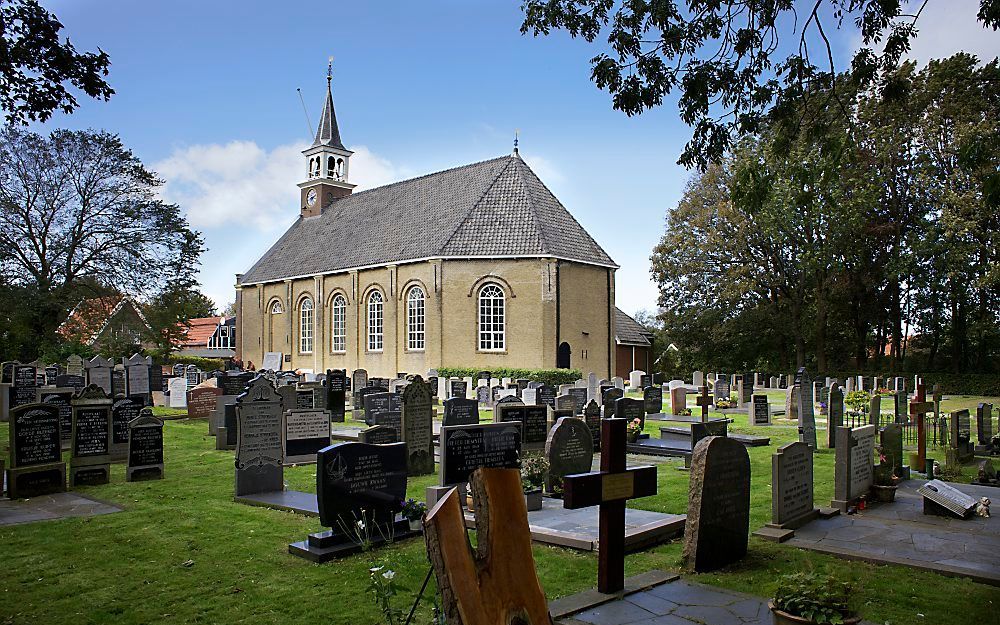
205	364
552	377
819	598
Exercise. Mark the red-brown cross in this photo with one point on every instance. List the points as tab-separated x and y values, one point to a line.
704	400
919	408
610	488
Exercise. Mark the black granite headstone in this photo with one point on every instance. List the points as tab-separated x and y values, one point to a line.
360	482
458	411
465	448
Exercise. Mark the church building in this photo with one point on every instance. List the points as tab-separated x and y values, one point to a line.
477	266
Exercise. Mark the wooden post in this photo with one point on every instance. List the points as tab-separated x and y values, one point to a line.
704	400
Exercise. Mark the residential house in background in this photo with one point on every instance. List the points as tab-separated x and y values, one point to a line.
106	323
209	337
633	345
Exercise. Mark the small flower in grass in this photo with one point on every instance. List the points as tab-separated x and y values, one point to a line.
374	569
389	574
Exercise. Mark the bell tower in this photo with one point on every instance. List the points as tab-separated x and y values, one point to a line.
328	161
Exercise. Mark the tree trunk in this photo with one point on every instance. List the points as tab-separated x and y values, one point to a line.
497	584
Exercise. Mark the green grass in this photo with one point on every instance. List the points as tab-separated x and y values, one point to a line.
183	552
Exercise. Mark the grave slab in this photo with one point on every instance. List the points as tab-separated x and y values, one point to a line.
908	537
52	507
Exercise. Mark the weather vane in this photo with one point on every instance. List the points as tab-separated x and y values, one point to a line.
329	69
516	131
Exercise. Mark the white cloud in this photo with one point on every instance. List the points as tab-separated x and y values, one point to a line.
545	168
945	28
240	184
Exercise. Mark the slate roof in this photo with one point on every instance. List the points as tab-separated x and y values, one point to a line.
628	331
497	207
328	133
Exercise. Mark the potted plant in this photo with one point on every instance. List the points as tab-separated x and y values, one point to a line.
807	598
633	430
885	479
725	403
413	511
534	470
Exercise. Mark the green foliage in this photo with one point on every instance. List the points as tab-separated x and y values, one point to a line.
205	364
534	469
383	588
723	57
552	377
858	401
37	63
821	599
62	351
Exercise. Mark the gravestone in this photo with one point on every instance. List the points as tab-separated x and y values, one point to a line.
565	402
137	381
335	385
145	448
652	397
61	398
631	409
258	440
465	448
377	400
177	388
579	396
984	426
792	486
417	427
379	435
592	386
761	410
91	444
722	390
201	400
853	473
51	372
678	400
483	397
458	388
960	435
592	415
834	414
305	433
359	380
718	520
357	482
99	373
460	411
891	439
569	449
546	395
698	378
534	423
529	396
272	361
635	380
806	405
74	365
24	383
36	466
392	419
608	399
124	410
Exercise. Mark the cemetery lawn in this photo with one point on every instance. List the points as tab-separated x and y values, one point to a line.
183	552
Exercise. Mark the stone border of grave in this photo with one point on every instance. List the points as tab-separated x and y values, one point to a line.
565	607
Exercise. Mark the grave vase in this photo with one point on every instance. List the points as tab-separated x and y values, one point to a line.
884	494
533	499
780	617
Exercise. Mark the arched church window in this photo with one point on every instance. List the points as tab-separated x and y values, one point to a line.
492	321
338	324
375	304
415	321
306	326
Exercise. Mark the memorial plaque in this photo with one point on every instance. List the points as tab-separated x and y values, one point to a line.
652	397
792	486
145	448
546	395
123	411
35	452
579	396
569	449
306	432
761	410
459	411
92	431
417	427
379	435
357	481
258	440
201	401
457	388
718	520
630	409
234	383
465	448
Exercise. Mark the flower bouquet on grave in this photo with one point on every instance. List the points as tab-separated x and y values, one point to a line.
685	413
807	598
413	511
534	471
725	404
633	430
885	479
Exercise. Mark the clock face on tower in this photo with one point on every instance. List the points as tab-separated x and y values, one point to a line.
311	197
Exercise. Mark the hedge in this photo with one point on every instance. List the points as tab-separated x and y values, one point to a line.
205	364
552	377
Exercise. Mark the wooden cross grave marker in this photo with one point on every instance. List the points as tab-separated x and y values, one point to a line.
704	400
610	488
919	408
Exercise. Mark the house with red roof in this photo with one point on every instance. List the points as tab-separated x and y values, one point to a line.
104	321
208	337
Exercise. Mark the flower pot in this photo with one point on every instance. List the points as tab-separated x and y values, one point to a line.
415	525
533	499
884	494
780	617
632	437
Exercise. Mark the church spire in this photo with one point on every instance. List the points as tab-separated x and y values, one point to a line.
328	134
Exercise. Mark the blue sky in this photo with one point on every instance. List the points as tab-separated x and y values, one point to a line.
206	95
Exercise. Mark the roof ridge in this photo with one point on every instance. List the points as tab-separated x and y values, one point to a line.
532	209
428	175
565	210
475	204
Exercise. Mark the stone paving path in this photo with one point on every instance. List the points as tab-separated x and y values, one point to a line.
900	533
50	507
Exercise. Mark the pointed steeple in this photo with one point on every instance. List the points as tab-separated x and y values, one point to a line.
328	134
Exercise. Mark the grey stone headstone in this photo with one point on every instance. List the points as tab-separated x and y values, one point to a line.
792	486
853	472
718	521
569	448
379	435
259	441
806	406
761	410
417	427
